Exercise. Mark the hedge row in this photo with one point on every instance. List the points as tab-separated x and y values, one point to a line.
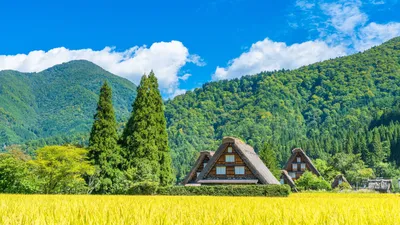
217	190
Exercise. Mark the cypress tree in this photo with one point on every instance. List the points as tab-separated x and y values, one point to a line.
139	137
103	149
161	136
268	156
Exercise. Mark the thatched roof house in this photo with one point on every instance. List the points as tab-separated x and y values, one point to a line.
235	163
199	165
380	185
339	179
297	164
286	179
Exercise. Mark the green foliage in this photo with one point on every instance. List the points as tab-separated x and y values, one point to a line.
103	149
309	181
352	166
145	139
327	172
143	188
268	156
59	101
228	190
343	186
325	108
60	169
15	176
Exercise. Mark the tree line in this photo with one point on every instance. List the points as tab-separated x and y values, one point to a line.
111	164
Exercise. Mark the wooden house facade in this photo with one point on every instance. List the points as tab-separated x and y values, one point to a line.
235	163
201	162
297	164
339	179
380	185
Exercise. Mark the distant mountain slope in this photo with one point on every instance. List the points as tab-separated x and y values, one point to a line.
58	101
315	107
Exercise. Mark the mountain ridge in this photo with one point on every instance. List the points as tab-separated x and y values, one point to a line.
59	99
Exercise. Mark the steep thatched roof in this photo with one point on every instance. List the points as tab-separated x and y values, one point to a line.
287	178
381	185
307	160
198	162
248	155
339	177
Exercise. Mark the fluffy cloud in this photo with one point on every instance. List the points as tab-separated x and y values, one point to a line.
267	55
345	16
342	26
165	58
374	34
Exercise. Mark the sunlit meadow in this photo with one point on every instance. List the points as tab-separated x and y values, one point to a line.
312	208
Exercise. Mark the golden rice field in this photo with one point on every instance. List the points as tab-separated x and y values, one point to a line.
313	208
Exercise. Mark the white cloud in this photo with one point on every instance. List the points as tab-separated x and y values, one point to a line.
345	16
343	28
185	76
374	34
304	5
267	55
164	58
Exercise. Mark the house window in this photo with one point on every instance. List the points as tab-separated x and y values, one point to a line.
197	174
229	158
292	174
221	170
294	167
340	182
239	169
205	164
229	149
282	181
298	159
303	166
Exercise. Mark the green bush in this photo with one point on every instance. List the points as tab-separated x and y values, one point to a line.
309	181
343	186
228	190
143	188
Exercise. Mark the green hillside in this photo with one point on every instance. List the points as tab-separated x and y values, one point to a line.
59	101
324	108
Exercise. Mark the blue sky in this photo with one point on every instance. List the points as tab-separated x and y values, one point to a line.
190	42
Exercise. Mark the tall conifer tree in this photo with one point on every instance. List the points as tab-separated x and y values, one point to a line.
139	136
268	156
145	138
166	172
103	148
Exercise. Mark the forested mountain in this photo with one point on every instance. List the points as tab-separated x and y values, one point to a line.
344	105
347	104
57	104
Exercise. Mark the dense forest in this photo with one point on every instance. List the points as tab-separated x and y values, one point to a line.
57	105
344	111
348	105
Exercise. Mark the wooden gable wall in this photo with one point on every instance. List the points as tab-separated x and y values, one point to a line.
199	169
230	167
293	160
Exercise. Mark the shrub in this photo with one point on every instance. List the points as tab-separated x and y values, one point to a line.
143	188
309	181
228	190
343	186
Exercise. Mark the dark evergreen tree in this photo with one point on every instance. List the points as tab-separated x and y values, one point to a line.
268	156
138	137
103	149
161	136
145	138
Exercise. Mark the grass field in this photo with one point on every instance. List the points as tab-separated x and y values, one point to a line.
315	208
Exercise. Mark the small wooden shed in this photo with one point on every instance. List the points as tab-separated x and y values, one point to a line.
380	185
199	165
339	179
